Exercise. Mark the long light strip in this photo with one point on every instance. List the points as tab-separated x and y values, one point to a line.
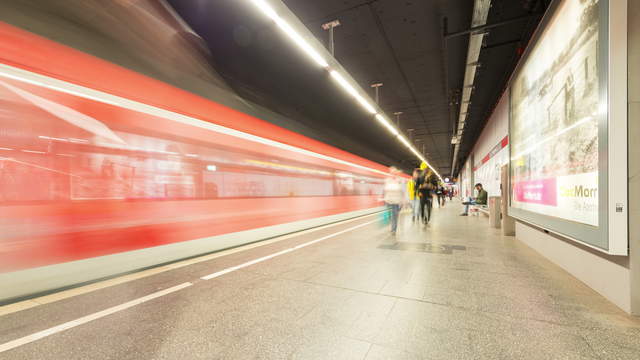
387	124
404	141
266	9
292	34
352	91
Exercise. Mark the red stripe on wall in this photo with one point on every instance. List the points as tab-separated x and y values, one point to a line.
501	145
505	141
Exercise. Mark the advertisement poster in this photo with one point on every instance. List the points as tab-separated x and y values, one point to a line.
554	119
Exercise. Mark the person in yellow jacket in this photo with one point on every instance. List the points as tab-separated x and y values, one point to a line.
423	193
414	200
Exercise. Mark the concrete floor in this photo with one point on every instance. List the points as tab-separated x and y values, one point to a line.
455	289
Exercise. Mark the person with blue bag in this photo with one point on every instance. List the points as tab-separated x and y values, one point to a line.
394	197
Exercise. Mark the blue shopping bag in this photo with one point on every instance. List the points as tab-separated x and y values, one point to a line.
385	217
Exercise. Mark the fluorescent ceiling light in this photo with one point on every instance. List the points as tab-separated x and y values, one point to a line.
301	43
404	141
365	104
291	33
345	85
386	124
352	91
267	10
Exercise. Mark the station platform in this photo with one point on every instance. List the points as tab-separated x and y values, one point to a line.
455	289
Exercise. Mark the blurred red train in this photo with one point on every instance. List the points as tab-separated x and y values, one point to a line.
104	170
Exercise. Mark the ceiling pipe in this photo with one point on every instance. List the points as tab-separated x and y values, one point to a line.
476	36
483	28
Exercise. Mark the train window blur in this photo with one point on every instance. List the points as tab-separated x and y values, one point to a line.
55	152
94	161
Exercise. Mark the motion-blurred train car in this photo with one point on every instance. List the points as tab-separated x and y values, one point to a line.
121	148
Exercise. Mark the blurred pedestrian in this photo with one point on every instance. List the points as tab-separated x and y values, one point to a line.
412	193
440	194
394	196
425	191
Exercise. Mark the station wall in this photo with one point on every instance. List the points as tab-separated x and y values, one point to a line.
489	154
617	278
633	49
491	151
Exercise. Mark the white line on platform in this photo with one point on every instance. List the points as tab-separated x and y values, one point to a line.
100	314
85	319
258	260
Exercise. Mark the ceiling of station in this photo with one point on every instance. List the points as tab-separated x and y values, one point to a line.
399	43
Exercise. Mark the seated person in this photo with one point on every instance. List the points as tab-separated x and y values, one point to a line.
481	199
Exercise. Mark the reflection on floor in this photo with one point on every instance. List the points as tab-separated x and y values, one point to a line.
455	289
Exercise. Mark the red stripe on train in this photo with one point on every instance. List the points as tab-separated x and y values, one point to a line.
123	119
44	234
80	230
31	52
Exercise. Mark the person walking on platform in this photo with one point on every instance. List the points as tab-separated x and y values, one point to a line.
394	197
440	194
425	191
481	199
412	192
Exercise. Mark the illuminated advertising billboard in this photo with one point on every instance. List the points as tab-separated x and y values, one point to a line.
559	124
554	119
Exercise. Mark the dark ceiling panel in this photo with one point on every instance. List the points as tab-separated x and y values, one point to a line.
396	42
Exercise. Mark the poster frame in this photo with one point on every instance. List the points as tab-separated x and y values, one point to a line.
611	234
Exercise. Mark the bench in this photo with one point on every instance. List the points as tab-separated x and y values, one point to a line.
477	209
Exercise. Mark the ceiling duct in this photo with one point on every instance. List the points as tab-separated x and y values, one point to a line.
480	14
